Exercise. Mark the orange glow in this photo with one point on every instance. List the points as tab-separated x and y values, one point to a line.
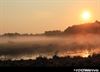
85	54
86	16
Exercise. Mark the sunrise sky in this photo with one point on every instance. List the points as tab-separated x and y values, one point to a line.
37	16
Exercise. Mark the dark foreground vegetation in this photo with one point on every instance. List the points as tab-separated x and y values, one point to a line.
91	61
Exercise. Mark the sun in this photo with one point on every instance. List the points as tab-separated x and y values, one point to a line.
86	15
86	53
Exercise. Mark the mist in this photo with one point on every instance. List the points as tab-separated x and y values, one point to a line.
31	47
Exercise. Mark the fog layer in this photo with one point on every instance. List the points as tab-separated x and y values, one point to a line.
33	46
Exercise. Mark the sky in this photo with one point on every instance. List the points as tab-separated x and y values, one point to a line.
37	16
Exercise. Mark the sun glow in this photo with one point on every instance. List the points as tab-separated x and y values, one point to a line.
86	54
86	16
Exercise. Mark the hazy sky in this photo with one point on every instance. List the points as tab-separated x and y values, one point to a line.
37	16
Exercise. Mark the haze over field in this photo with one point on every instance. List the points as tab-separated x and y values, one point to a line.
32	47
